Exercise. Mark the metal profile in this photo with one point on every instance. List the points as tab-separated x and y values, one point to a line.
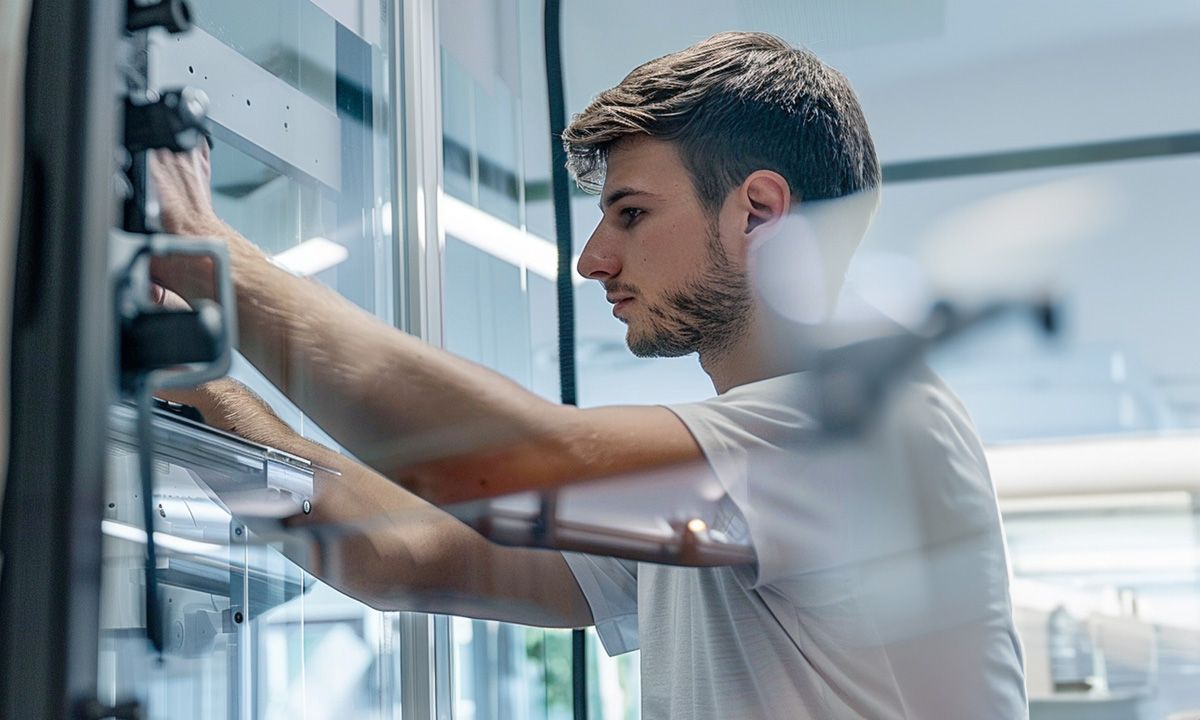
1042	158
252	109
418	169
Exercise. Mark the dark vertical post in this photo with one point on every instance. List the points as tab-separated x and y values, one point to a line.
63	364
560	183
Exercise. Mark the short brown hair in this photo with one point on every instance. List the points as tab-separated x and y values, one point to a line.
733	104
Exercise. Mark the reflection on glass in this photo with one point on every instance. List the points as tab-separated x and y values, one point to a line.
275	210
302	164
294	41
500	310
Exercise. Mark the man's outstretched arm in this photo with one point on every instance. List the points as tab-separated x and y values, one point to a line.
390	549
442	426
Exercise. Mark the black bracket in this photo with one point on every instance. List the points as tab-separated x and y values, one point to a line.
174	16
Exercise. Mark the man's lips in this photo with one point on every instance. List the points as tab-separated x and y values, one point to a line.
619	297
620	303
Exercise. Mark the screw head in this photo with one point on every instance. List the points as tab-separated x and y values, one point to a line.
237	531
238	617
306	506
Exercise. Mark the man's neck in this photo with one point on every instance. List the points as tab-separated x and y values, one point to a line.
756	356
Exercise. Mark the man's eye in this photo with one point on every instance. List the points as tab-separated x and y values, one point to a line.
630	214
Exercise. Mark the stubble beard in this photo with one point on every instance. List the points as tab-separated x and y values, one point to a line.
708	315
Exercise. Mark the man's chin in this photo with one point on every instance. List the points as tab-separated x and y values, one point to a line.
652	347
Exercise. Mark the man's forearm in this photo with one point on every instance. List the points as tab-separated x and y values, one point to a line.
376	542
439	425
393	400
445	428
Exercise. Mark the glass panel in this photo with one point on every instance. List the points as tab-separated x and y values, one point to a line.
500	307
201	671
324	656
302	160
294	41
614	683
277	210
302	153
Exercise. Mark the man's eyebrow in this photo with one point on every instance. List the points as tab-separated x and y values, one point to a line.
620	194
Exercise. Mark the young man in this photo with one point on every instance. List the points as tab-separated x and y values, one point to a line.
880	588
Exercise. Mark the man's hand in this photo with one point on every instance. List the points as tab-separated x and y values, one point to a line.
182	181
388	548
159	295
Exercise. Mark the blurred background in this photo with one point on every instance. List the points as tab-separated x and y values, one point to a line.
1024	145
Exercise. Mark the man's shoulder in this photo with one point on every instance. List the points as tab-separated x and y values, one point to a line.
923	406
773	410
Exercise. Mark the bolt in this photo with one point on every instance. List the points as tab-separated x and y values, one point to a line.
237	617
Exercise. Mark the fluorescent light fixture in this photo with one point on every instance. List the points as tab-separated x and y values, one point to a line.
1103	466
311	257
1134	501
1041	596
501	240
1107	560
112	528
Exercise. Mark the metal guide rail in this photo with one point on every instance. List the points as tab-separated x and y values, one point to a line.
209	486
239	474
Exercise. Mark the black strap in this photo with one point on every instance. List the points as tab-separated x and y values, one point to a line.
560	183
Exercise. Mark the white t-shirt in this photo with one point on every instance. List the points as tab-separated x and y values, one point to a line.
881	585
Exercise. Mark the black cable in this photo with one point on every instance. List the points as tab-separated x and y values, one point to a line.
145	436
560	183
562	205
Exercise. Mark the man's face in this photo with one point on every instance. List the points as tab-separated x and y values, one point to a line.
674	273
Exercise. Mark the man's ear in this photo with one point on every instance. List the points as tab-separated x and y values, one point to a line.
767	199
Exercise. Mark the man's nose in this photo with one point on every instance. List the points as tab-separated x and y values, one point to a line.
599	260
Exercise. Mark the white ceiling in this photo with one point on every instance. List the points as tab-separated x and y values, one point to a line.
999	75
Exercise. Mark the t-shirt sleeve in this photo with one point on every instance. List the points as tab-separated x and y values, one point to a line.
758	442
825	511
610	587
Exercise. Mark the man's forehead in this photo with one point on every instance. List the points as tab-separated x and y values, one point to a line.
641	163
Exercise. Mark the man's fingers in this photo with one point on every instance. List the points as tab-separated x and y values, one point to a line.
198	164
157	166
182	181
167	298
183	276
188	168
